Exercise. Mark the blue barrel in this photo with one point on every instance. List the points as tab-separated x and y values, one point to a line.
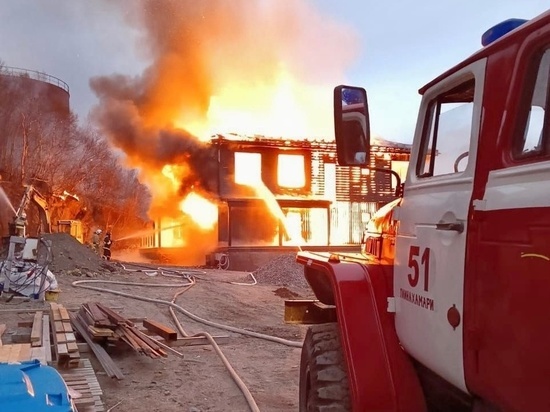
31	386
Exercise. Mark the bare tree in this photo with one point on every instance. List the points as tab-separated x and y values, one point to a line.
40	145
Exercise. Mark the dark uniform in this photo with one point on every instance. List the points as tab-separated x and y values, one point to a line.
107	242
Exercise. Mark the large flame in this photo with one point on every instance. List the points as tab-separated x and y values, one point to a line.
282	106
246	66
203	212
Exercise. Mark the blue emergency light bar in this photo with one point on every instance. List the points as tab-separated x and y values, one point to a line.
500	30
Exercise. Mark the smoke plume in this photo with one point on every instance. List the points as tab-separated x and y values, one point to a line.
199	50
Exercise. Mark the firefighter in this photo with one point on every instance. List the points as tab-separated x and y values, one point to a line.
107	242
20	223
96	241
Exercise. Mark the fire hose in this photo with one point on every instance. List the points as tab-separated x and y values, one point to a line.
172	305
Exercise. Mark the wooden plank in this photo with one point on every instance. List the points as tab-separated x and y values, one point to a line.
54	312
72	347
114	317
60	338
130	339
102	356
61	350
25	352
22	310
160	329
46	339
36	332
64	313
14	353
40	354
96	331
67	326
156	344
194	341
99	317
4	353
2	330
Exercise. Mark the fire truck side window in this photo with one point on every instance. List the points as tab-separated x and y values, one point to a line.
534	138
447	132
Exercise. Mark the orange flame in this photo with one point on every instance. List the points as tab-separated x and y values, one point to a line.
203	212
276	86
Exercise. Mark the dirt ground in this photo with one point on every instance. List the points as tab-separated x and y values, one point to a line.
199	381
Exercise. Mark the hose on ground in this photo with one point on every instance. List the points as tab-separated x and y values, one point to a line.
80	283
178	273
244	389
172	305
223	263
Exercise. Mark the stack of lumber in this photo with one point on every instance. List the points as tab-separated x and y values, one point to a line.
105	325
25	346
84	387
64	339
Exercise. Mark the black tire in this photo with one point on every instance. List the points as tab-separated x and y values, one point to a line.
324	385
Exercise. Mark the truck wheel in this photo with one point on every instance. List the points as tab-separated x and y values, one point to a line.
324	383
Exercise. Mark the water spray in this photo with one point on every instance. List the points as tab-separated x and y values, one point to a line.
4	196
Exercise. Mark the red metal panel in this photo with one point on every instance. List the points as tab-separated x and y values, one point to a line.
381	375
508	339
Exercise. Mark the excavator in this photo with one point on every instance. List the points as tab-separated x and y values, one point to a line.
20	222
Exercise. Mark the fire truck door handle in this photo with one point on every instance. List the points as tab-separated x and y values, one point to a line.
454	227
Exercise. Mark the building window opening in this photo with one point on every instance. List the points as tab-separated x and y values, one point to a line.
248	168
291	171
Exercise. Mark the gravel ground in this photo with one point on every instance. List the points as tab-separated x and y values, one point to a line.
198	382
282	271
72	258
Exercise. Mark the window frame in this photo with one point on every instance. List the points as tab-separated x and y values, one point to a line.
476	68
525	104
431	125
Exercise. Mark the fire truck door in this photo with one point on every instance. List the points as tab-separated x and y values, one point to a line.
510	281
431	238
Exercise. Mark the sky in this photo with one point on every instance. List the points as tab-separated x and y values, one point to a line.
390	48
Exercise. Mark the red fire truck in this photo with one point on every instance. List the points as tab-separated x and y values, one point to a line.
446	307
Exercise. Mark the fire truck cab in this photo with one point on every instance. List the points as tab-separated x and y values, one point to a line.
446	308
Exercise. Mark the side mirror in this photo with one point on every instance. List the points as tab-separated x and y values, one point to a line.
351	126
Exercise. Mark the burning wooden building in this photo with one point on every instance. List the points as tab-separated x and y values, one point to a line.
277	194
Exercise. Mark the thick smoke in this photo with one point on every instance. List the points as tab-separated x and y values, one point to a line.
151	147
197	49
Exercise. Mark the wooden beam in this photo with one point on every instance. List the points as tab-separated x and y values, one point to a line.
36	332
114	317
194	341
46	339
64	313
102	356
2	330
160	329
32	310
98	316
